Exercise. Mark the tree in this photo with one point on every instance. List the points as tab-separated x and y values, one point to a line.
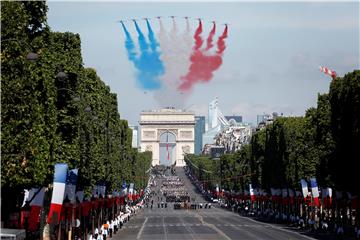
344	99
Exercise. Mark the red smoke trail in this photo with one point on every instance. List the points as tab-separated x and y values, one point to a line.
221	41
210	38
198	40
203	65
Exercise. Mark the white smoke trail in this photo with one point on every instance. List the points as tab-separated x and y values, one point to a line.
175	55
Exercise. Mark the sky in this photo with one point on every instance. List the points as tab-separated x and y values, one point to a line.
270	64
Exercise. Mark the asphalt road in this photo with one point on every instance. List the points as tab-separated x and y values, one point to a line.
214	223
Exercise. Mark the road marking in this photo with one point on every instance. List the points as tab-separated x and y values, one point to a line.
164	228
141	229
278	228
212	226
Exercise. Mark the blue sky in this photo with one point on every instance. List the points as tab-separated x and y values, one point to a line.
270	64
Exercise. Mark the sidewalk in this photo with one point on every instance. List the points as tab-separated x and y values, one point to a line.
307	232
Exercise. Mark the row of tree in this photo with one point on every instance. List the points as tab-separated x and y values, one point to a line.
55	110
325	144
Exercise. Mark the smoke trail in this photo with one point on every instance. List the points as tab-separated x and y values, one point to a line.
175	58
153	43
203	65
155	54
148	64
221	41
210	38
142	41
198	40
129	44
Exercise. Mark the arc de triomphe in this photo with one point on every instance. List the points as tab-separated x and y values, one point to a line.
168	133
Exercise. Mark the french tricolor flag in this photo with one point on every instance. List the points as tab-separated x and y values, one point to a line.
36	195
70	188
57	198
252	193
304	187
314	191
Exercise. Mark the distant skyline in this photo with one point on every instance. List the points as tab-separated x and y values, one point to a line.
270	63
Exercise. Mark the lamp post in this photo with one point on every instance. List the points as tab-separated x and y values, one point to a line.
31	56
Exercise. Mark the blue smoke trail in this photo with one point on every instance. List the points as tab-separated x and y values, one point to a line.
142	41
129	45
153	43
148	64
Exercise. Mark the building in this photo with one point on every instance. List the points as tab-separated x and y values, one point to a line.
168	133
199	131
238	119
234	137
135	136
266	119
216	123
261	118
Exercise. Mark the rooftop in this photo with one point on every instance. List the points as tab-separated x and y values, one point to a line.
168	110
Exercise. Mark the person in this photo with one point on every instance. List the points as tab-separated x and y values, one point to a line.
116	224
111	227
96	233
100	236
340	230
301	223
104	230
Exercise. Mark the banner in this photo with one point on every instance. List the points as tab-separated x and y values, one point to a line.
35	199
252	193
326	195
57	198
70	187
101	189
314	191
80	196
304	187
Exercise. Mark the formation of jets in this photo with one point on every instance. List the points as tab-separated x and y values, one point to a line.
159	17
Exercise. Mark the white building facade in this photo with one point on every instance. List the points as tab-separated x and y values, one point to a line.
135	135
168	134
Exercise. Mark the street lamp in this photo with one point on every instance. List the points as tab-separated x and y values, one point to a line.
61	75
31	56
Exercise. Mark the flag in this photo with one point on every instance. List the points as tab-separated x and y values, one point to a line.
314	191
326	195
35	199
168	153
95	193
58	192
80	196
304	187
70	188
339	195
291	196
101	189
275	194
131	191
36	205
284	194
167	146
252	193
